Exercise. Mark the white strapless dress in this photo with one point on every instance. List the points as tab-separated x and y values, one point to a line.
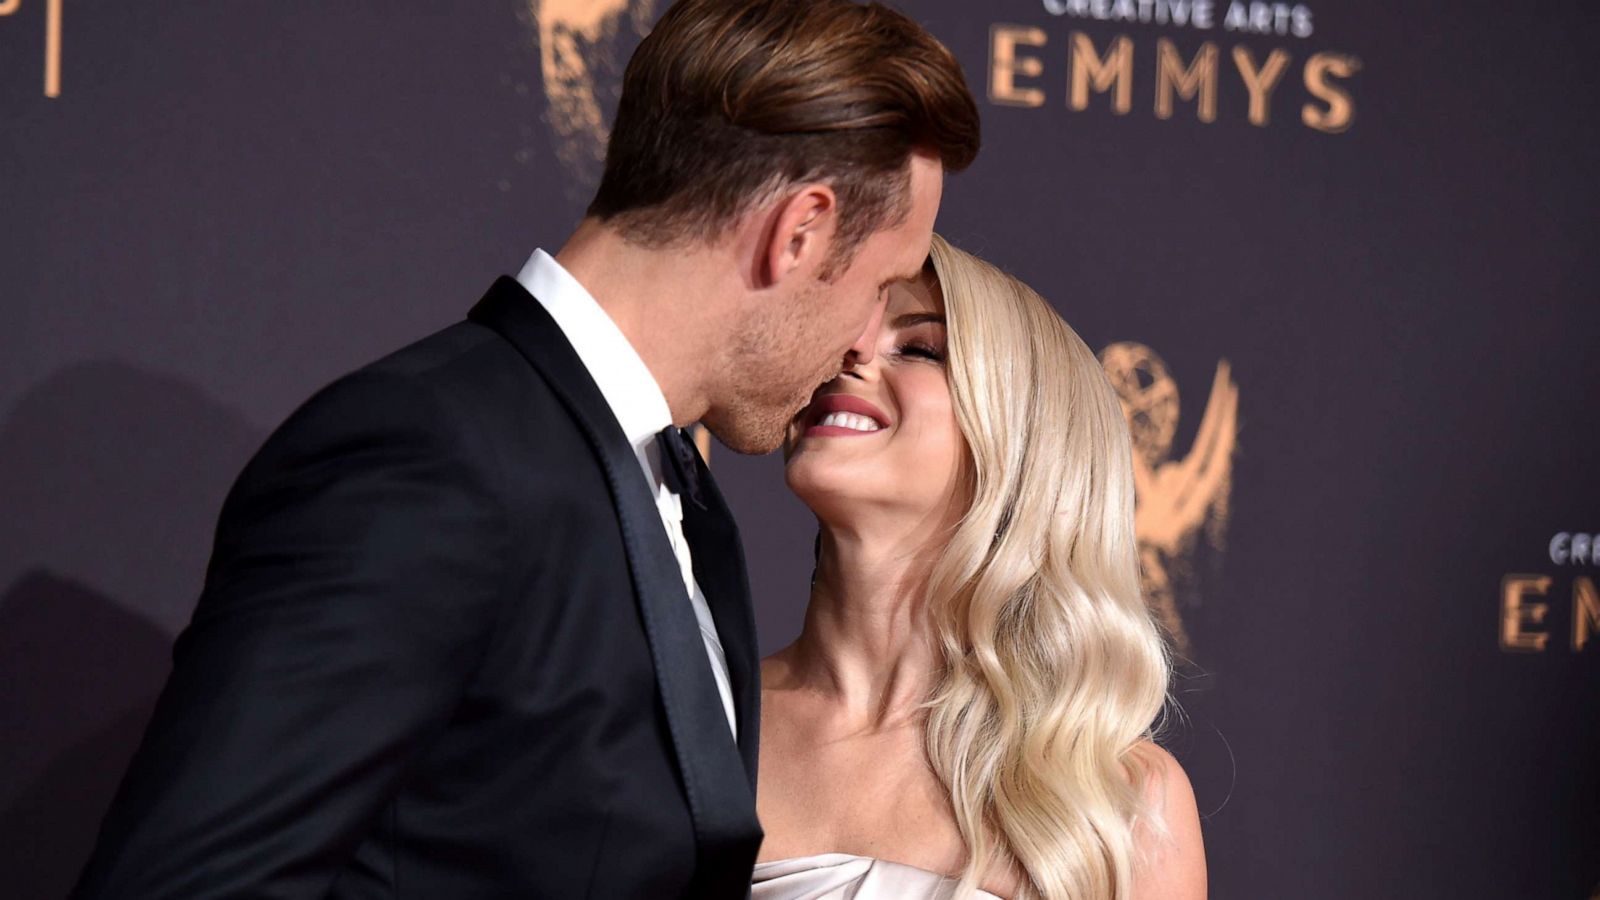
840	876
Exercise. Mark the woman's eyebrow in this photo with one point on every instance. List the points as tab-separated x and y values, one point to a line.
913	319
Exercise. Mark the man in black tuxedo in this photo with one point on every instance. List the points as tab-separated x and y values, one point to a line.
476	622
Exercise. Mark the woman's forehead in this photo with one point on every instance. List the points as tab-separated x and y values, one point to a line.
914	296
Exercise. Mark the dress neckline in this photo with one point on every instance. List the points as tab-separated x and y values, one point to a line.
827	860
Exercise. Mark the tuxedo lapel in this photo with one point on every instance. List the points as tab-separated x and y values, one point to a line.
721	805
720	570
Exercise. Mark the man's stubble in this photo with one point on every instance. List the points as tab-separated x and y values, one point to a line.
772	371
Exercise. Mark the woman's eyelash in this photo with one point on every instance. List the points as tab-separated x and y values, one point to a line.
922	350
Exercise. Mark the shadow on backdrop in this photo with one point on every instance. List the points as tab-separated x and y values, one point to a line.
112	477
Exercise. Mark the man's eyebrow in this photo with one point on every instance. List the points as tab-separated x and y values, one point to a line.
910	320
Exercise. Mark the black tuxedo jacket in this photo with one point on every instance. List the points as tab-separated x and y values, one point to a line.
444	651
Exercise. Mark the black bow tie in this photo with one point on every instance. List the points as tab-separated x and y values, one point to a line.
679	464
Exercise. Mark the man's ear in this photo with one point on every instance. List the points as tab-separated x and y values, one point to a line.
802	232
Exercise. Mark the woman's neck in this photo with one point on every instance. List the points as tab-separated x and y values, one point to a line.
867	645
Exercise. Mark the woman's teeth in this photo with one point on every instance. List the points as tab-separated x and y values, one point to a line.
850	421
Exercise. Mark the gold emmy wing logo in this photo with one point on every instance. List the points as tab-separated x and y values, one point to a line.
581	61
1177	501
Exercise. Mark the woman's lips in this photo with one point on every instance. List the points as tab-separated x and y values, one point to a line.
844	415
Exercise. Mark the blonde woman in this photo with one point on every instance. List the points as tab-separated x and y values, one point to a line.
968	708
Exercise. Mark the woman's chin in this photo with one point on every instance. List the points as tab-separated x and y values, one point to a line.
824	489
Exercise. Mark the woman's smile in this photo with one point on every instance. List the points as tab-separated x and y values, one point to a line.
843	415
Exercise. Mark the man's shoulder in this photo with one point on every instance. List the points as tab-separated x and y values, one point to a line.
464	384
463	352
465	367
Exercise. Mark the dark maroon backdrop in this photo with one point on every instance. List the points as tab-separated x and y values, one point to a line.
227	205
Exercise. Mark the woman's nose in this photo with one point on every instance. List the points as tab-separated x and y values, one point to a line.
861	367
865	348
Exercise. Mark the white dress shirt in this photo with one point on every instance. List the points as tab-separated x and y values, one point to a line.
640	408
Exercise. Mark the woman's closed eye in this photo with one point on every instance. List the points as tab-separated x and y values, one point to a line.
921	350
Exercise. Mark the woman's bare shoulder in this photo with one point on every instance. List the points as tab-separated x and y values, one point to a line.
1172	859
777	670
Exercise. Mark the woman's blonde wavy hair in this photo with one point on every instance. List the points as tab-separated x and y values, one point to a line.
1054	670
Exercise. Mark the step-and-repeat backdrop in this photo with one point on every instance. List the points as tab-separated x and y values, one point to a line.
1339	259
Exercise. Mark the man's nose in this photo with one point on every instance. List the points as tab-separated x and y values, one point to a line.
866	344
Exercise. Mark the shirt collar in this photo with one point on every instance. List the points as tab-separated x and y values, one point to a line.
630	390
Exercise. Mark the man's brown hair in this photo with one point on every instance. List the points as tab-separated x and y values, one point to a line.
728	101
